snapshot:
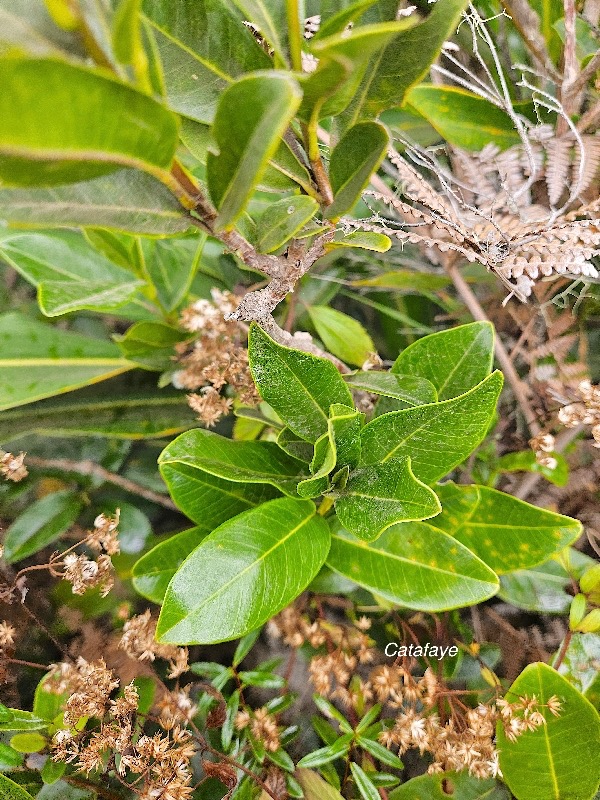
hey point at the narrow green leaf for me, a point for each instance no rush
(239, 462)
(314, 787)
(344, 426)
(150, 344)
(22, 721)
(324, 755)
(556, 751)
(39, 361)
(342, 335)
(245, 644)
(40, 524)
(381, 495)
(354, 159)
(127, 200)
(299, 386)
(454, 360)
(365, 240)
(252, 115)
(282, 220)
(154, 570)
(412, 390)
(437, 437)
(238, 577)
(506, 533)
(53, 124)
(380, 752)
(416, 565)
(9, 790)
(368, 791)
(461, 785)
(406, 280)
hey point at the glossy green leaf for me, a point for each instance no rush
(365, 786)
(130, 407)
(271, 21)
(463, 118)
(9, 790)
(282, 220)
(39, 361)
(154, 570)
(444, 785)
(252, 115)
(150, 344)
(412, 390)
(203, 46)
(322, 465)
(53, 124)
(380, 752)
(52, 771)
(299, 386)
(239, 575)
(68, 272)
(314, 787)
(341, 334)
(506, 533)
(438, 436)
(381, 495)
(41, 524)
(171, 266)
(416, 565)
(556, 751)
(453, 360)
(295, 445)
(127, 200)
(22, 721)
(344, 427)
(365, 240)
(354, 159)
(240, 462)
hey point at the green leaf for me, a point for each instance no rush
(52, 771)
(444, 785)
(171, 266)
(381, 495)
(252, 115)
(344, 426)
(282, 220)
(68, 272)
(22, 721)
(60, 122)
(315, 788)
(39, 361)
(299, 386)
(463, 118)
(454, 360)
(406, 280)
(271, 21)
(209, 500)
(41, 524)
(239, 577)
(126, 39)
(525, 461)
(322, 464)
(150, 344)
(405, 60)
(26, 26)
(12, 791)
(506, 533)
(47, 705)
(580, 665)
(541, 589)
(324, 755)
(154, 570)
(366, 240)
(365, 786)
(239, 462)
(438, 436)
(9, 758)
(354, 159)
(127, 200)
(295, 446)
(380, 752)
(416, 565)
(28, 742)
(203, 46)
(244, 646)
(126, 408)
(342, 335)
(556, 751)
(412, 390)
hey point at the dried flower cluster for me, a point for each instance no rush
(139, 642)
(262, 726)
(215, 359)
(12, 467)
(585, 411)
(542, 445)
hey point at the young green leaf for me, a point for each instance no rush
(410, 389)
(28, 742)
(252, 115)
(342, 335)
(39, 361)
(506, 533)
(282, 220)
(239, 576)
(366, 788)
(354, 159)
(553, 752)
(41, 524)
(239, 462)
(53, 124)
(152, 573)
(381, 495)
(323, 463)
(416, 565)
(437, 437)
(380, 752)
(454, 360)
(299, 386)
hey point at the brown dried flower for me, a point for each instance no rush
(12, 467)
(139, 642)
(586, 411)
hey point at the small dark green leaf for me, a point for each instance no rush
(41, 524)
(245, 644)
(322, 465)
(154, 570)
(326, 754)
(342, 335)
(368, 791)
(345, 424)
(238, 577)
(354, 159)
(412, 390)
(282, 220)
(299, 386)
(380, 752)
